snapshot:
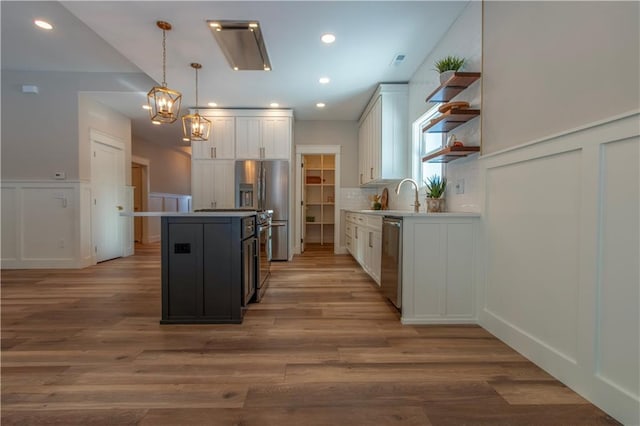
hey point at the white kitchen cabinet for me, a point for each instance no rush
(439, 269)
(383, 136)
(263, 137)
(212, 185)
(363, 238)
(221, 143)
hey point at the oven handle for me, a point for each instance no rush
(277, 225)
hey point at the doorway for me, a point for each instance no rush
(318, 199)
(107, 187)
(318, 219)
(140, 182)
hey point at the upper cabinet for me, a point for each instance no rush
(221, 143)
(263, 137)
(382, 136)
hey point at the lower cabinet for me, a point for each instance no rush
(439, 269)
(363, 239)
(201, 270)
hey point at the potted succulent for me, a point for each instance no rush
(435, 188)
(447, 66)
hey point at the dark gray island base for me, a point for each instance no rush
(205, 259)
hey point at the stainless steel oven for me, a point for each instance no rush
(264, 253)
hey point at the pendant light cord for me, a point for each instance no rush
(196, 89)
(164, 59)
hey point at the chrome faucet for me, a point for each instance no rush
(416, 205)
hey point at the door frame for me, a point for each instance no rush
(337, 226)
(145, 166)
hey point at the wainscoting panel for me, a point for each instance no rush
(617, 284)
(40, 224)
(561, 233)
(533, 208)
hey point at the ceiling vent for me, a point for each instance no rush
(398, 59)
(242, 44)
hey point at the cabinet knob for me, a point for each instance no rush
(371, 173)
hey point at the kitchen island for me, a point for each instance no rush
(209, 262)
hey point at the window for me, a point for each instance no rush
(425, 143)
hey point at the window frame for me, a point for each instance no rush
(418, 169)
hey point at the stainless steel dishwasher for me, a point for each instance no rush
(391, 272)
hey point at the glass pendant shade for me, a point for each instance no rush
(194, 126)
(164, 103)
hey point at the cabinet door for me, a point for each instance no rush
(223, 184)
(276, 137)
(212, 184)
(248, 137)
(376, 255)
(218, 287)
(375, 140)
(363, 151)
(201, 150)
(223, 138)
(202, 178)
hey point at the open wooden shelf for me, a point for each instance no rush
(450, 120)
(449, 154)
(450, 88)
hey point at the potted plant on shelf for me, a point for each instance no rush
(435, 188)
(447, 66)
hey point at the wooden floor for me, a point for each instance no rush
(84, 347)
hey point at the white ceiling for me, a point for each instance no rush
(369, 35)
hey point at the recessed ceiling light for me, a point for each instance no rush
(324, 80)
(43, 24)
(321, 105)
(156, 122)
(274, 105)
(235, 68)
(146, 106)
(328, 38)
(212, 104)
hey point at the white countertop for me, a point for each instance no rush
(407, 213)
(192, 214)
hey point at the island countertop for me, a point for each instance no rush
(222, 213)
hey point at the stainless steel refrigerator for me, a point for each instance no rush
(264, 185)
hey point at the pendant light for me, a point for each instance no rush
(164, 103)
(194, 126)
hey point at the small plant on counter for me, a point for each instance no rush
(435, 186)
(449, 63)
(375, 202)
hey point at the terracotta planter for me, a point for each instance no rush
(435, 205)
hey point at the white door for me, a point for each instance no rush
(107, 181)
(136, 181)
(303, 203)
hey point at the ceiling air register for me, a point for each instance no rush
(242, 44)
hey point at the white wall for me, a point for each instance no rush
(561, 209)
(47, 222)
(343, 133)
(551, 66)
(169, 169)
(464, 39)
(40, 131)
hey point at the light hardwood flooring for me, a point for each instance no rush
(84, 347)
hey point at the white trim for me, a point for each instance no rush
(107, 139)
(241, 112)
(588, 126)
(317, 149)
